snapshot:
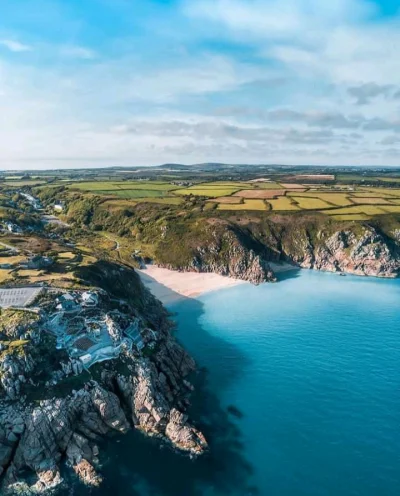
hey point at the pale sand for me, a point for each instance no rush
(169, 285)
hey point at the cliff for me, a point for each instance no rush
(53, 412)
(370, 249)
(222, 249)
(242, 245)
(245, 252)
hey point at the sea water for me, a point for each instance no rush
(298, 393)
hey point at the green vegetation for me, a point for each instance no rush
(130, 185)
(132, 193)
(207, 191)
(369, 210)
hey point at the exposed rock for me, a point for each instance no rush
(42, 437)
(369, 254)
(229, 254)
(183, 435)
(86, 472)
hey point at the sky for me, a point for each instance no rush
(95, 83)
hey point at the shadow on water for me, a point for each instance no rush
(289, 274)
(136, 465)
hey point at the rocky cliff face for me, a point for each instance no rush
(245, 254)
(367, 253)
(151, 397)
(228, 252)
(144, 391)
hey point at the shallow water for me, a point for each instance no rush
(298, 393)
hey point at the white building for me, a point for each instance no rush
(90, 299)
(59, 206)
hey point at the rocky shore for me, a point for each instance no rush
(68, 429)
(364, 251)
(369, 254)
(43, 427)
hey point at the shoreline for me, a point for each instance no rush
(170, 285)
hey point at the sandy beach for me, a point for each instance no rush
(169, 285)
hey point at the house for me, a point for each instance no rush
(59, 206)
(85, 359)
(67, 303)
(13, 228)
(39, 262)
(90, 299)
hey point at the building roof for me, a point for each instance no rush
(66, 297)
(84, 344)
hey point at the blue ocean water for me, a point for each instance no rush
(298, 392)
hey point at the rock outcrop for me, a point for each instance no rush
(148, 398)
(369, 253)
(229, 253)
(141, 388)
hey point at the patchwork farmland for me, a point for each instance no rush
(339, 201)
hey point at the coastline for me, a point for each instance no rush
(169, 285)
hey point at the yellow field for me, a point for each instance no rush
(12, 260)
(384, 192)
(247, 205)
(391, 209)
(67, 255)
(357, 209)
(283, 203)
(28, 273)
(370, 201)
(371, 195)
(308, 203)
(5, 275)
(337, 199)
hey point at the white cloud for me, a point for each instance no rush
(15, 46)
(291, 96)
(79, 52)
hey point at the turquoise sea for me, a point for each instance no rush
(298, 393)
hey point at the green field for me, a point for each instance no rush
(167, 200)
(11, 184)
(350, 217)
(222, 184)
(209, 192)
(133, 193)
(122, 185)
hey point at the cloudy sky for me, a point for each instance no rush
(140, 82)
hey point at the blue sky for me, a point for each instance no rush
(134, 82)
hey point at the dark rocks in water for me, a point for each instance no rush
(233, 410)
